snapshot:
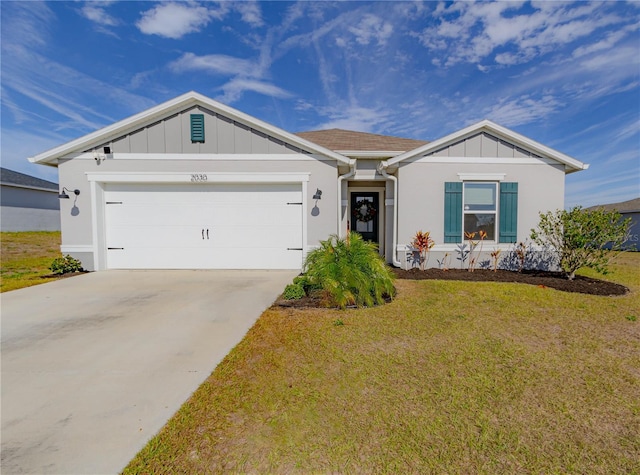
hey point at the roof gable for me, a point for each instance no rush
(175, 106)
(469, 141)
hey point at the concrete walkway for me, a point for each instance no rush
(94, 365)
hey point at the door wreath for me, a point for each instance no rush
(364, 211)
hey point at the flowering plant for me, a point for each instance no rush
(423, 243)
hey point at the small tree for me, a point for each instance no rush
(582, 238)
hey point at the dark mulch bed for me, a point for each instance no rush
(64, 276)
(543, 279)
(555, 280)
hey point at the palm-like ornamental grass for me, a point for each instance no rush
(350, 272)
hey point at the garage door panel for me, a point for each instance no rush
(257, 215)
(131, 215)
(159, 236)
(247, 236)
(250, 226)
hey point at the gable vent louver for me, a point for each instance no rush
(197, 128)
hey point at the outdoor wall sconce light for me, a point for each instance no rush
(318, 195)
(66, 190)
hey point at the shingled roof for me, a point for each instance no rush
(9, 177)
(622, 207)
(340, 139)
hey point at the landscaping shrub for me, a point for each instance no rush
(350, 272)
(65, 265)
(293, 291)
(306, 283)
(582, 237)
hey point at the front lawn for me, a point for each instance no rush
(451, 377)
(26, 257)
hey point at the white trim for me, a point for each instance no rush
(282, 157)
(175, 105)
(389, 202)
(341, 202)
(487, 160)
(571, 164)
(367, 175)
(369, 153)
(186, 177)
(481, 176)
(76, 248)
(452, 247)
(304, 207)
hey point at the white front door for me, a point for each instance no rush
(221, 226)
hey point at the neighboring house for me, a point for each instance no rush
(628, 209)
(28, 203)
(193, 183)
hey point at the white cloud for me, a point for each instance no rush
(62, 90)
(606, 43)
(174, 20)
(250, 13)
(473, 32)
(214, 64)
(233, 90)
(96, 12)
(372, 28)
(353, 117)
(25, 24)
(522, 110)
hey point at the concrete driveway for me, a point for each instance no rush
(93, 366)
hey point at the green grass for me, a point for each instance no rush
(451, 377)
(26, 257)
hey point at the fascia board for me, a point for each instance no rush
(192, 98)
(508, 135)
(370, 153)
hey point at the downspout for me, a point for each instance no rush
(352, 164)
(394, 241)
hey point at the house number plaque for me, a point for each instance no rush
(198, 177)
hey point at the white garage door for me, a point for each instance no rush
(222, 226)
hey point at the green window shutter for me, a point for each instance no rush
(453, 211)
(197, 128)
(508, 212)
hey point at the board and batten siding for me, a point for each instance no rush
(172, 134)
(483, 145)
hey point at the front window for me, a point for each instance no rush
(480, 204)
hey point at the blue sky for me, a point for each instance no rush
(566, 74)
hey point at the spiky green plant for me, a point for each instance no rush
(350, 272)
